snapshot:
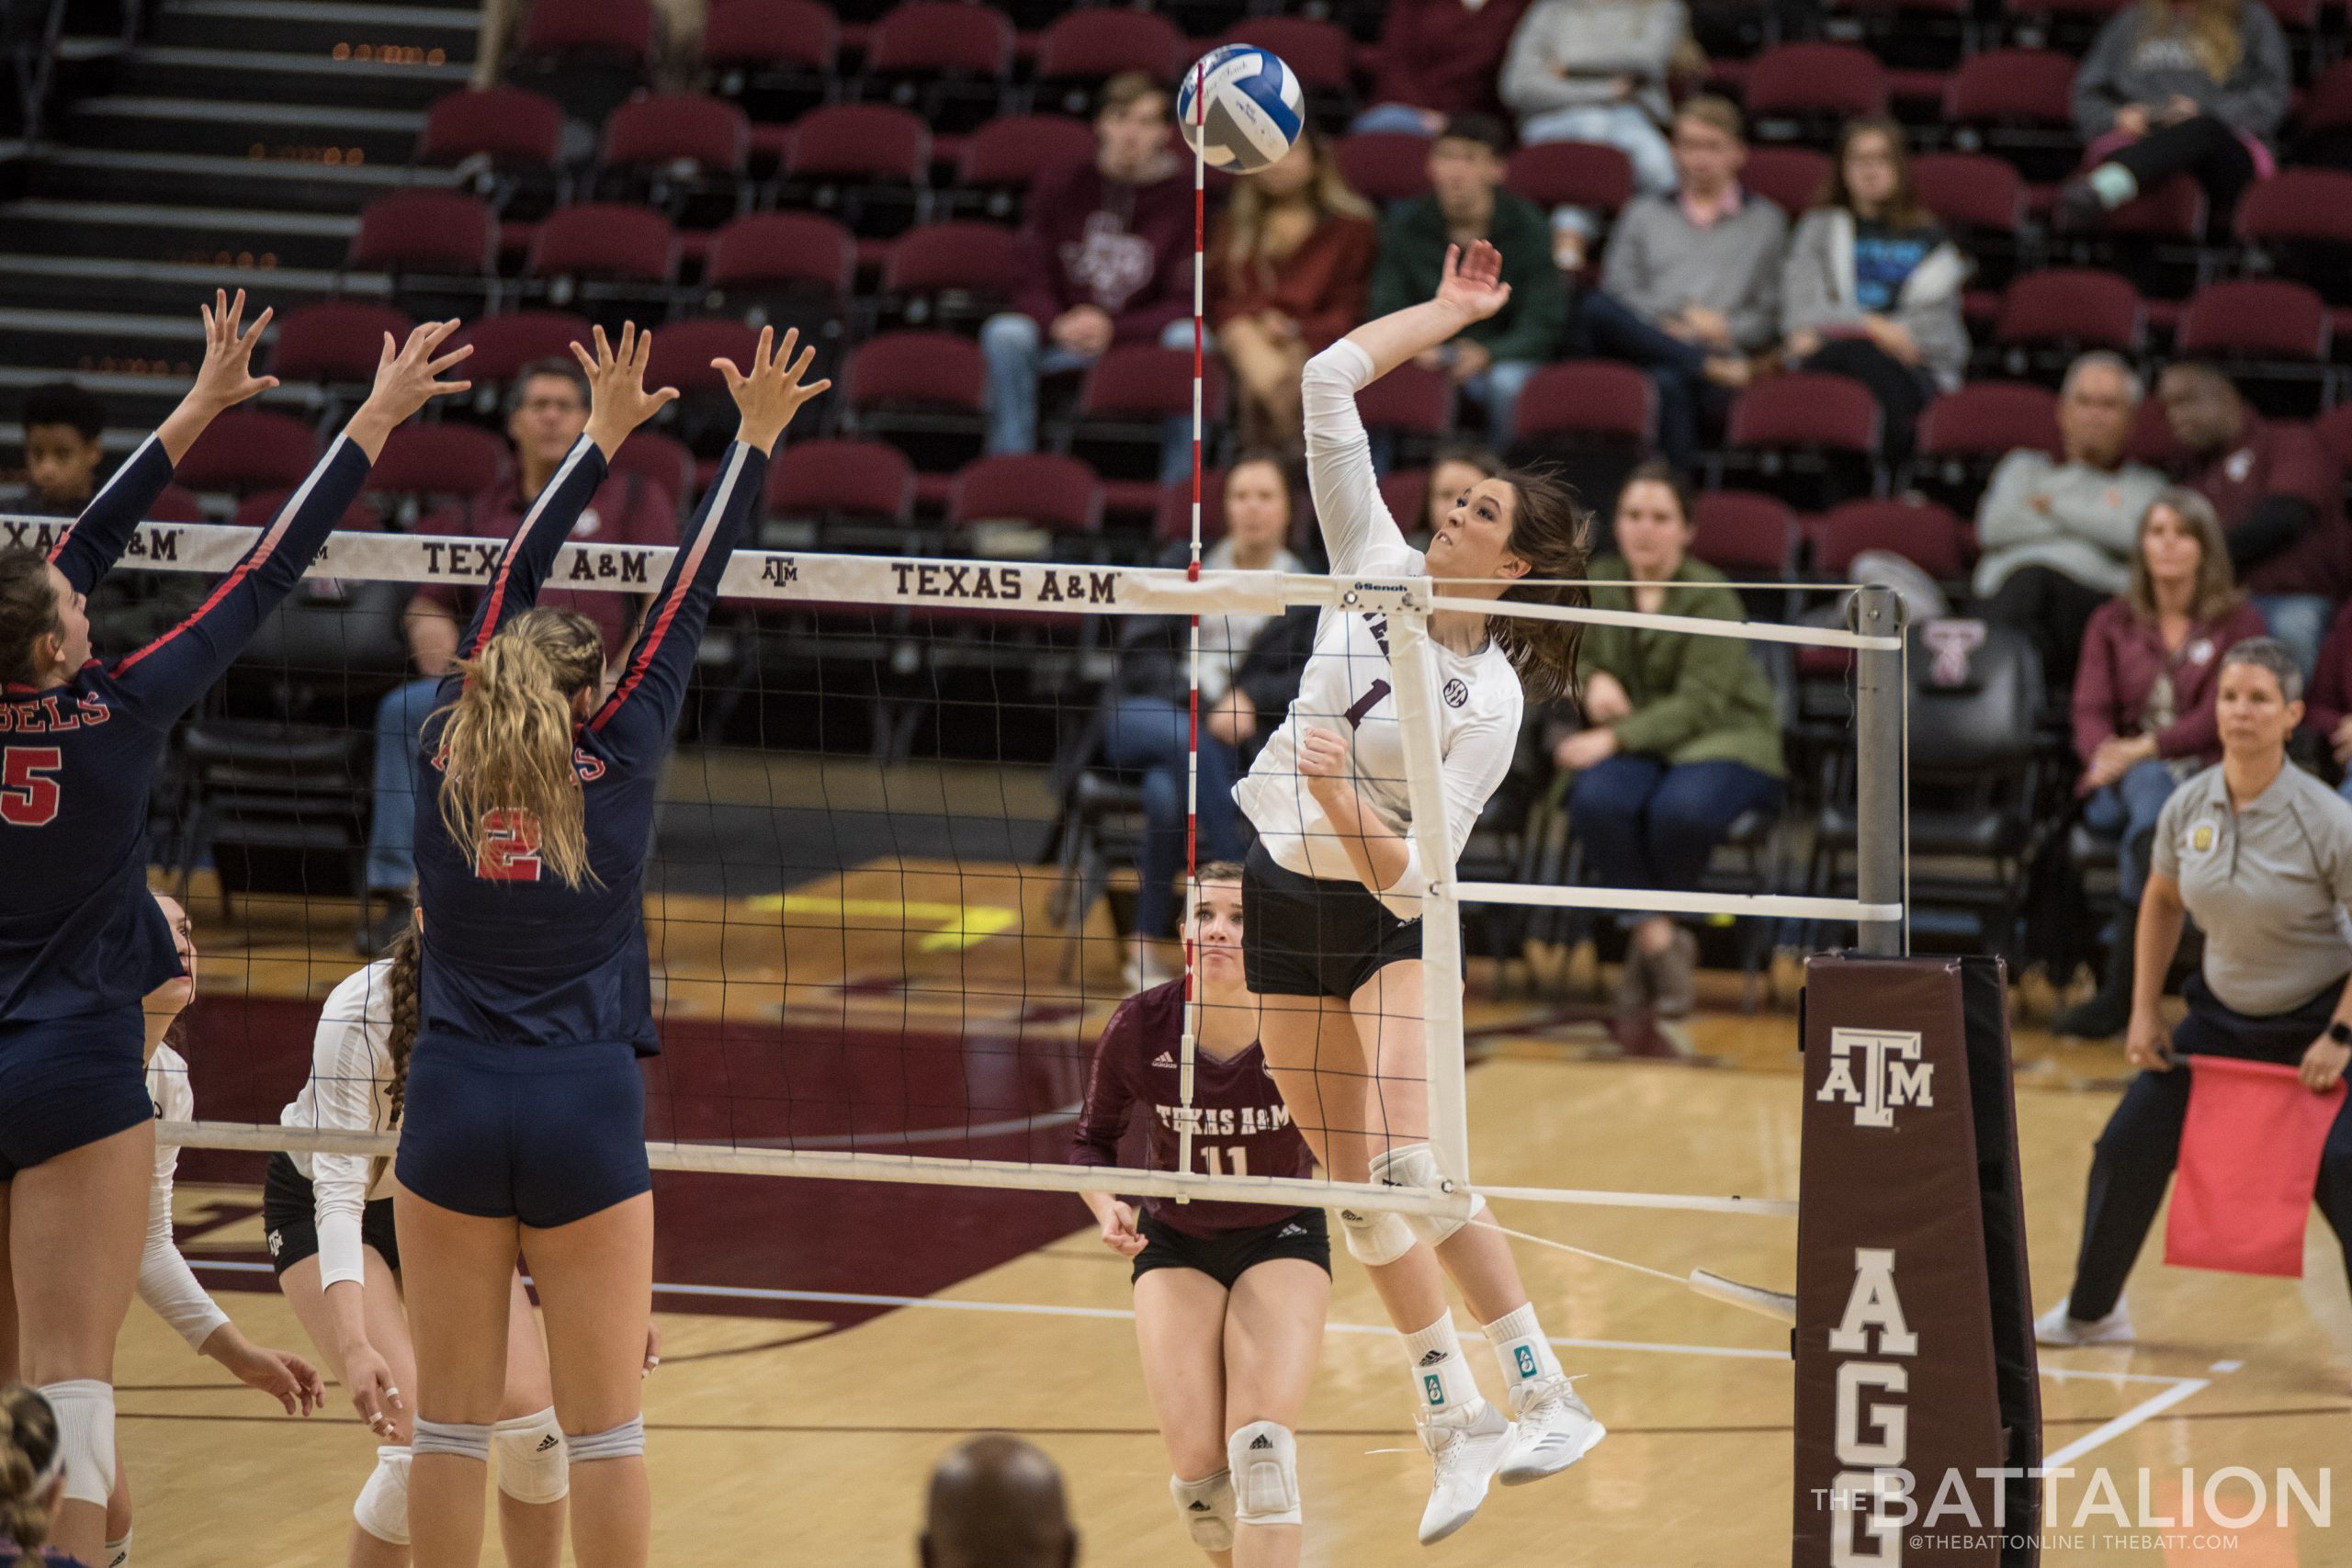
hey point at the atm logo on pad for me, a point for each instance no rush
(1876, 1071)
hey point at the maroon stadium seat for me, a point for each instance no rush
(1318, 52)
(862, 142)
(1815, 80)
(1790, 178)
(2254, 318)
(678, 128)
(1572, 174)
(503, 344)
(338, 340)
(1406, 494)
(682, 351)
(1385, 165)
(658, 460)
(2327, 104)
(1971, 190)
(1172, 522)
(1046, 491)
(621, 28)
(1098, 41)
(769, 248)
(1743, 533)
(2012, 87)
(439, 458)
(916, 383)
(604, 239)
(250, 449)
(772, 33)
(425, 230)
(1145, 381)
(260, 509)
(2174, 210)
(2073, 306)
(2309, 206)
(955, 268)
(856, 479)
(926, 38)
(1926, 535)
(1410, 400)
(510, 124)
(2334, 429)
(1587, 397)
(1827, 412)
(1987, 419)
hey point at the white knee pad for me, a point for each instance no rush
(624, 1441)
(382, 1508)
(531, 1463)
(1263, 1459)
(1207, 1508)
(461, 1439)
(1413, 1165)
(1374, 1239)
(85, 1408)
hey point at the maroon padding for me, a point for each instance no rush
(604, 239)
(338, 340)
(248, 450)
(667, 128)
(1056, 493)
(1809, 78)
(510, 124)
(444, 230)
(1985, 417)
(1806, 411)
(928, 369)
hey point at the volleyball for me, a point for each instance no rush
(1250, 111)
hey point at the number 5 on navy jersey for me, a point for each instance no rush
(27, 794)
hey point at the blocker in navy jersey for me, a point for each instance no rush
(81, 939)
(1240, 1126)
(522, 974)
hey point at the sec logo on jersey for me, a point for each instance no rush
(1456, 692)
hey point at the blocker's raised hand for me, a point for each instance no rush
(407, 377)
(226, 378)
(619, 402)
(1473, 282)
(772, 390)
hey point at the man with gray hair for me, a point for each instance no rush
(996, 1502)
(2058, 532)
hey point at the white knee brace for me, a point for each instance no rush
(1374, 1239)
(1263, 1459)
(1413, 1165)
(382, 1508)
(85, 1408)
(531, 1463)
(624, 1441)
(1207, 1508)
(462, 1439)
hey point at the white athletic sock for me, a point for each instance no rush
(1526, 1356)
(2115, 184)
(118, 1554)
(1444, 1379)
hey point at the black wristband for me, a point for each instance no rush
(2340, 1032)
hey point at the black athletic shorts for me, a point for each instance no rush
(1305, 936)
(290, 1220)
(1227, 1257)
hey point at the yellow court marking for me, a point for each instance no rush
(958, 926)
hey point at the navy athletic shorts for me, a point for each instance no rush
(546, 1135)
(1225, 1258)
(65, 1082)
(1305, 936)
(290, 1218)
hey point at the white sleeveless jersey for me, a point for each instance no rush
(1349, 687)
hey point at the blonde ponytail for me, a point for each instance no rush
(27, 1452)
(506, 745)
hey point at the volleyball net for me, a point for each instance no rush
(894, 884)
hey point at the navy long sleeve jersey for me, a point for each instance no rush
(512, 956)
(78, 933)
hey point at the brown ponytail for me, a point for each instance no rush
(508, 742)
(402, 954)
(28, 1449)
(27, 611)
(1552, 530)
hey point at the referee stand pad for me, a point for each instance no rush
(1919, 1418)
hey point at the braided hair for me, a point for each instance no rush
(27, 1467)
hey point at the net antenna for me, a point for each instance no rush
(1187, 1043)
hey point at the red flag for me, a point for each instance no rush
(2250, 1161)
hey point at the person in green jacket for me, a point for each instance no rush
(1681, 735)
(1493, 358)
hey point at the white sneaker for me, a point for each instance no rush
(1555, 1430)
(2054, 1327)
(1467, 1443)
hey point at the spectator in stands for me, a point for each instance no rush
(1106, 255)
(1492, 360)
(65, 450)
(2057, 533)
(2168, 86)
(1291, 270)
(1596, 71)
(1457, 466)
(2260, 854)
(2279, 492)
(996, 1502)
(1250, 668)
(1681, 734)
(1871, 289)
(547, 410)
(2330, 710)
(1438, 59)
(2144, 708)
(1689, 284)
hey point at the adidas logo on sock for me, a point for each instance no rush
(1164, 1060)
(1433, 1358)
(1200, 1508)
(1261, 1441)
(546, 1443)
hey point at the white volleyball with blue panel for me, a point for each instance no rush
(1249, 109)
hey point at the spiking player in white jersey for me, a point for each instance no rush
(1332, 934)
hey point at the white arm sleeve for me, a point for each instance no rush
(1473, 769)
(346, 1062)
(165, 1282)
(1355, 521)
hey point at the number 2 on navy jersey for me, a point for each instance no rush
(1233, 1161)
(1365, 704)
(510, 846)
(28, 799)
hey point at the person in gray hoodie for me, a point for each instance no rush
(2198, 85)
(1596, 71)
(1871, 286)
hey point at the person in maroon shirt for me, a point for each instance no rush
(2280, 494)
(1438, 59)
(547, 410)
(1105, 257)
(1227, 1402)
(2144, 708)
(2327, 704)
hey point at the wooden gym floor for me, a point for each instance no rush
(823, 1342)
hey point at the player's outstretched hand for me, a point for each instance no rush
(617, 400)
(772, 390)
(1472, 283)
(407, 377)
(226, 378)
